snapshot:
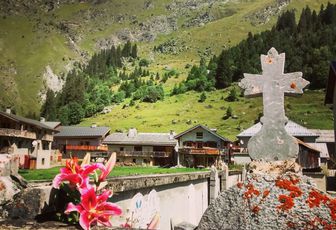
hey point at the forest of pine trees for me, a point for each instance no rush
(309, 46)
(87, 89)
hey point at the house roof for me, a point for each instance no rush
(329, 98)
(205, 128)
(291, 127)
(325, 136)
(309, 146)
(26, 121)
(51, 124)
(77, 131)
(322, 147)
(156, 139)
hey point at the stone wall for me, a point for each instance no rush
(175, 198)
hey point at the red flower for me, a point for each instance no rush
(239, 185)
(266, 193)
(290, 224)
(250, 191)
(76, 175)
(315, 198)
(286, 202)
(109, 166)
(295, 192)
(94, 208)
(289, 186)
(332, 207)
(255, 209)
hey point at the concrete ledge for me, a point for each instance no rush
(120, 184)
(235, 172)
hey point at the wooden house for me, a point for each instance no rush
(201, 146)
(142, 148)
(75, 141)
(28, 139)
(309, 152)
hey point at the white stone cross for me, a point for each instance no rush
(272, 142)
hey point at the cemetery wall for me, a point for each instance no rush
(174, 198)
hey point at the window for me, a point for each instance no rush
(138, 148)
(159, 149)
(212, 144)
(121, 149)
(188, 144)
(45, 145)
(134, 160)
(199, 145)
(199, 135)
(42, 161)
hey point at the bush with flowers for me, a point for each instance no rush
(84, 190)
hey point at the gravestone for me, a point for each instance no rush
(275, 194)
(272, 142)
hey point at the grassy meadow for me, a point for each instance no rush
(49, 174)
(32, 40)
(183, 111)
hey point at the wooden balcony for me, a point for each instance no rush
(17, 133)
(200, 151)
(100, 148)
(143, 153)
(48, 137)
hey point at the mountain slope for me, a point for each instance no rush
(183, 111)
(40, 41)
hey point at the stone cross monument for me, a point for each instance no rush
(272, 142)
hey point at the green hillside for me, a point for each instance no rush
(181, 112)
(34, 36)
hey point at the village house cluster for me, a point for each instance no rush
(43, 144)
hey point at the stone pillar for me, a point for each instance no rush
(214, 184)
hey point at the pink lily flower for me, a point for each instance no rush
(93, 209)
(75, 174)
(108, 167)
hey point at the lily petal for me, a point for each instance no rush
(89, 199)
(58, 180)
(104, 196)
(90, 168)
(104, 220)
(86, 159)
(110, 209)
(109, 166)
(71, 208)
(85, 220)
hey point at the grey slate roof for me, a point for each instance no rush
(291, 127)
(26, 121)
(51, 124)
(325, 136)
(322, 147)
(153, 139)
(76, 131)
(205, 128)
